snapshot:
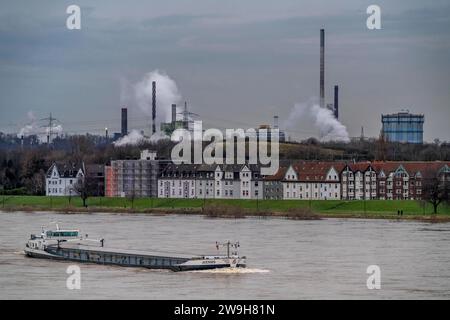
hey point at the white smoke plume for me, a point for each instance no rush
(330, 129)
(133, 138)
(33, 128)
(30, 127)
(166, 94)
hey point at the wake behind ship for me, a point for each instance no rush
(69, 245)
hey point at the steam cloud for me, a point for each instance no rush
(330, 128)
(30, 128)
(166, 94)
(133, 138)
(33, 128)
(141, 94)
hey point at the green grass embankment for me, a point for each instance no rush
(324, 208)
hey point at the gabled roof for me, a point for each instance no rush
(65, 170)
(278, 176)
(313, 170)
(412, 167)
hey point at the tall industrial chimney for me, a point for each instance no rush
(174, 113)
(322, 68)
(154, 107)
(124, 122)
(275, 122)
(336, 102)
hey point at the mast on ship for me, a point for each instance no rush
(229, 245)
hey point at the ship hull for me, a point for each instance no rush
(126, 259)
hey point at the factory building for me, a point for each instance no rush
(185, 123)
(169, 127)
(403, 127)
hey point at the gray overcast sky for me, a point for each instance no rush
(237, 62)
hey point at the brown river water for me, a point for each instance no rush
(287, 259)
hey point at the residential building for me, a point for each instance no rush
(62, 178)
(308, 180)
(272, 185)
(95, 175)
(210, 181)
(133, 178)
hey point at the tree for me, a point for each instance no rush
(436, 189)
(132, 197)
(84, 187)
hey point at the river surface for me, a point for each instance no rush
(287, 259)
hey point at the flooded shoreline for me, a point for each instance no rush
(237, 215)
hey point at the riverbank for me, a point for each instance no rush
(295, 209)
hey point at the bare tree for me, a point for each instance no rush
(132, 196)
(84, 187)
(436, 189)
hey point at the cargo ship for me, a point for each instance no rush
(70, 245)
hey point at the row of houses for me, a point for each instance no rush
(298, 180)
(301, 180)
(357, 181)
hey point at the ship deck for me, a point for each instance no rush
(142, 253)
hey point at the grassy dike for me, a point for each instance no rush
(232, 208)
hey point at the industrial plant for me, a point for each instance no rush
(333, 107)
(403, 127)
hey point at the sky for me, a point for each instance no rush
(237, 62)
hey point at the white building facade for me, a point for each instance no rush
(61, 180)
(311, 181)
(210, 182)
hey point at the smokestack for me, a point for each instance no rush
(336, 102)
(174, 113)
(275, 122)
(124, 122)
(154, 107)
(322, 68)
